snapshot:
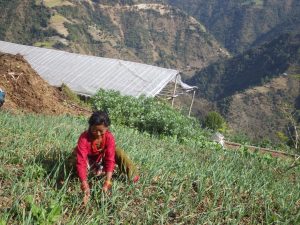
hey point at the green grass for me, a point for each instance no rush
(45, 44)
(189, 183)
(72, 96)
(297, 76)
(57, 22)
(53, 3)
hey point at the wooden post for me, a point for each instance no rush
(173, 97)
(296, 137)
(192, 103)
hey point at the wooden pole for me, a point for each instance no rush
(192, 103)
(173, 97)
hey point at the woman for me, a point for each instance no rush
(96, 152)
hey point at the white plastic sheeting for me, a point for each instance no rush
(85, 74)
(219, 138)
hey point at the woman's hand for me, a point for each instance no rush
(86, 190)
(107, 185)
(86, 199)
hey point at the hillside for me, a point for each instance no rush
(26, 91)
(240, 25)
(187, 183)
(252, 68)
(250, 89)
(259, 112)
(151, 33)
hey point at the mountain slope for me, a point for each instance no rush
(240, 24)
(251, 89)
(24, 21)
(258, 112)
(150, 33)
(252, 68)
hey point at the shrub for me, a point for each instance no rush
(214, 121)
(146, 114)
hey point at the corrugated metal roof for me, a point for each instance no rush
(87, 74)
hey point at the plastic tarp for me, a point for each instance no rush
(183, 85)
(85, 74)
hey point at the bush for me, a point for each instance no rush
(146, 114)
(214, 121)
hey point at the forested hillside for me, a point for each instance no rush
(252, 68)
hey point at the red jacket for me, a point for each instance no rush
(85, 153)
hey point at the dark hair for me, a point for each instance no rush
(99, 118)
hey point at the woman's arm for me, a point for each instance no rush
(81, 158)
(81, 166)
(109, 161)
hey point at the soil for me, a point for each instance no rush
(27, 92)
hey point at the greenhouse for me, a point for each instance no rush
(85, 74)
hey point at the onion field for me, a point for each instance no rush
(193, 181)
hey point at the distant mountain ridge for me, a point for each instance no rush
(242, 24)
